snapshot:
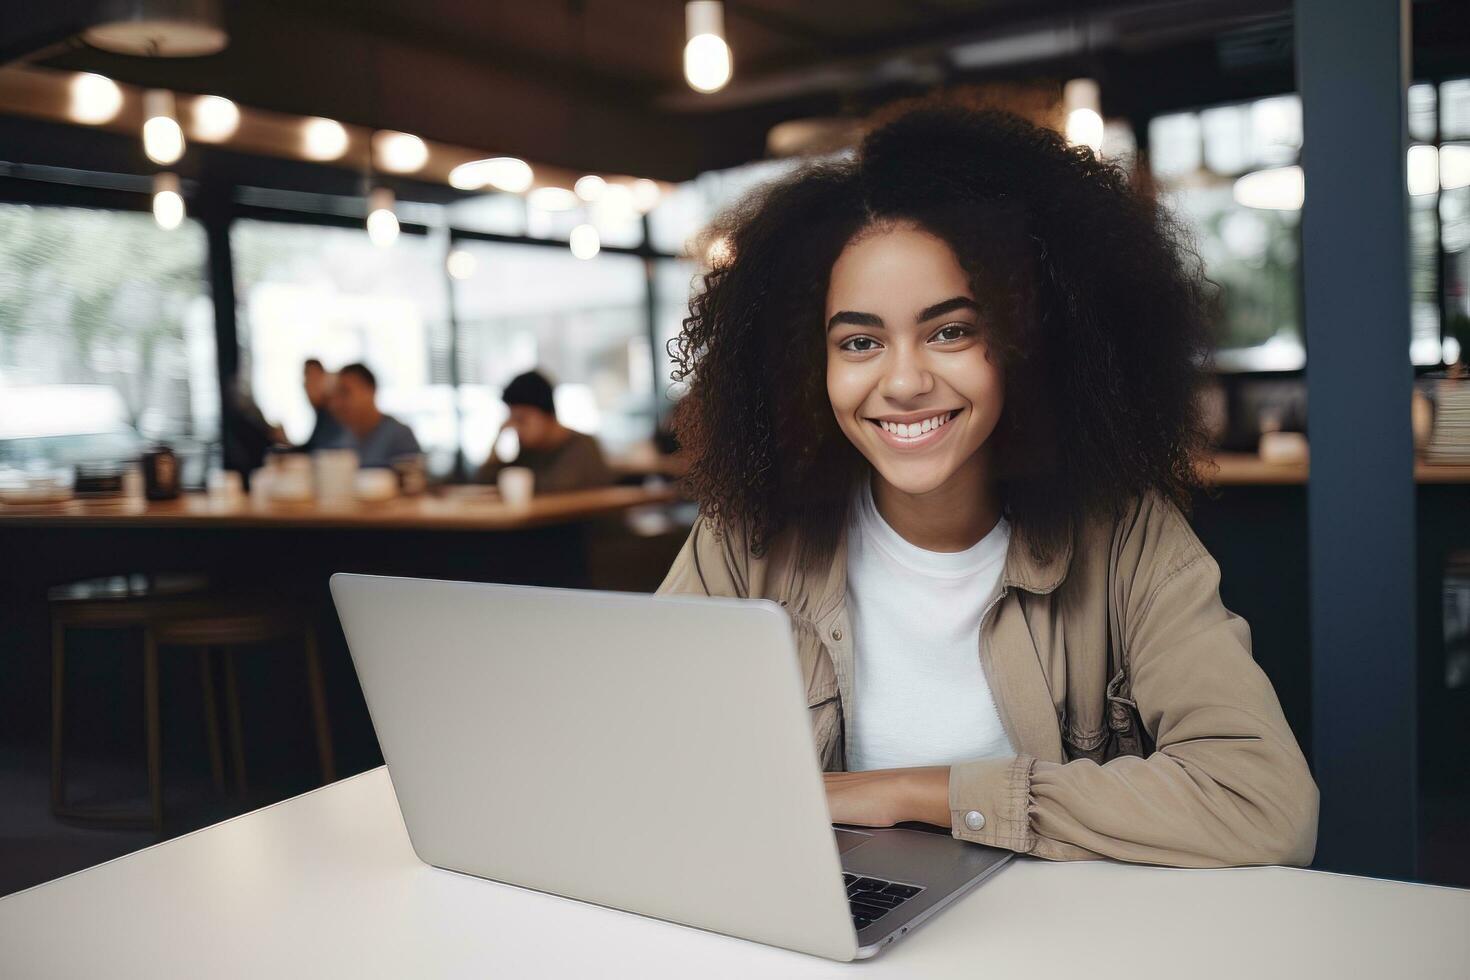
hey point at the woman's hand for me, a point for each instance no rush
(884, 797)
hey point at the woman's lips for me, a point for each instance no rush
(906, 443)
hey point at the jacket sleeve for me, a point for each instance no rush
(708, 564)
(1227, 784)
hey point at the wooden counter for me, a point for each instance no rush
(455, 512)
(1248, 469)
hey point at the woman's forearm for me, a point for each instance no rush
(883, 797)
(928, 794)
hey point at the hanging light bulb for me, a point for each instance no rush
(382, 223)
(163, 139)
(1083, 102)
(461, 264)
(95, 99)
(215, 118)
(168, 202)
(503, 173)
(585, 242)
(706, 55)
(323, 139)
(399, 153)
(590, 187)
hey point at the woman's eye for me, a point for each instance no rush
(859, 345)
(951, 332)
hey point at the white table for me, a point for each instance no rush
(326, 885)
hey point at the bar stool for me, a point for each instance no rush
(117, 602)
(171, 613)
(246, 623)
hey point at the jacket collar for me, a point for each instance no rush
(1024, 571)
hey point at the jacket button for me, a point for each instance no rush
(975, 820)
(837, 635)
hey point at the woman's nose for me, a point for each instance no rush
(907, 376)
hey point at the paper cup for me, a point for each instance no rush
(517, 484)
(335, 471)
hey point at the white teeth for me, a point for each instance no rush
(912, 430)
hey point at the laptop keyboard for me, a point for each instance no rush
(872, 898)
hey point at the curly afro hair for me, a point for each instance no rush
(1091, 295)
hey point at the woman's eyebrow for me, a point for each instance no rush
(857, 319)
(948, 306)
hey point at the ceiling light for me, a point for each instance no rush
(95, 99)
(502, 173)
(1276, 189)
(168, 202)
(163, 139)
(159, 28)
(382, 223)
(706, 55)
(552, 199)
(585, 242)
(589, 188)
(399, 153)
(1083, 103)
(323, 139)
(461, 264)
(215, 118)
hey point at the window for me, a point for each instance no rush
(1249, 236)
(1454, 214)
(312, 291)
(1249, 243)
(106, 337)
(582, 322)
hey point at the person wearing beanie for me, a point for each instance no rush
(561, 458)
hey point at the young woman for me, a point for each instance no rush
(940, 408)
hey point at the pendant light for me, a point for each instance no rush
(1082, 100)
(163, 138)
(215, 118)
(707, 65)
(158, 28)
(168, 201)
(94, 99)
(382, 222)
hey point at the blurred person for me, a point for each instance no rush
(377, 437)
(562, 458)
(941, 408)
(327, 433)
(248, 434)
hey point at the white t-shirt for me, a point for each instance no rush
(921, 698)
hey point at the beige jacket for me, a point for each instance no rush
(1227, 783)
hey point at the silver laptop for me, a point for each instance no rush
(651, 754)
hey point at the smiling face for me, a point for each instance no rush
(908, 371)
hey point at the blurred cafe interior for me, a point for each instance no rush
(292, 288)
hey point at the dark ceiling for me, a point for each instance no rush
(597, 84)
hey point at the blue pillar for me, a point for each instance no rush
(1352, 72)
